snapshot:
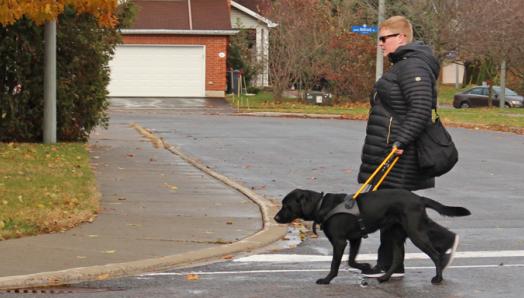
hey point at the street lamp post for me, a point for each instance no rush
(50, 83)
(380, 56)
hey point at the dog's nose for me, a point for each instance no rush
(276, 218)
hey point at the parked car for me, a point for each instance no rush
(478, 97)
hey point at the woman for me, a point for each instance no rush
(401, 107)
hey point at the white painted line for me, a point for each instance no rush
(293, 258)
(312, 270)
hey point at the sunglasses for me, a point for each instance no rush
(385, 37)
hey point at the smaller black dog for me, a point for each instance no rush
(378, 209)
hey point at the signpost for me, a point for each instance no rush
(367, 30)
(364, 29)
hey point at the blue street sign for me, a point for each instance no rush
(364, 29)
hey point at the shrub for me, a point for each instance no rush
(83, 51)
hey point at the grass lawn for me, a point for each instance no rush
(484, 118)
(446, 93)
(45, 188)
(263, 102)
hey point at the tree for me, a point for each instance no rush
(84, 48)
(305, 47)
(47, 11)
(350, 64)
(491, 31)
(297, 45)
(41, 11)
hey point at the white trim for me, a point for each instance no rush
(255, 15)
(181, 32)
(190, 15)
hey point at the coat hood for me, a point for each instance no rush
(419, 50)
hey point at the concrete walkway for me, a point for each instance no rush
(160, 210)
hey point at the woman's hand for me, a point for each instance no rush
(398, 145)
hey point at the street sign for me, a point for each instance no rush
(364, 29)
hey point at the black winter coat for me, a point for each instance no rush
(408, 90)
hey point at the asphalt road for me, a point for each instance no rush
(275, 155)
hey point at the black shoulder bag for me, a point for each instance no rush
(436, 151)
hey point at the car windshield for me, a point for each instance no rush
(508, 91)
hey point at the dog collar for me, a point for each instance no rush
(315, 214)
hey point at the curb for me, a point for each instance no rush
(298, 115)
(269, 233)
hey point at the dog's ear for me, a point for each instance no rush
(307, 204)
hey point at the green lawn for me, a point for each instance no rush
(446, 93)
(45, 188)
(494, 118)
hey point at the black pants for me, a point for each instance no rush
(439, 235)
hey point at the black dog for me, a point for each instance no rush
(378, 209)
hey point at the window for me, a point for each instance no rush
(475, 91)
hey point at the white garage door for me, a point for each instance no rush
(141, 70)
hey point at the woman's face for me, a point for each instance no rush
(389, 41)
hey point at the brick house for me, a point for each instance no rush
(175, 48)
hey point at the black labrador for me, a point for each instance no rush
(378, 209)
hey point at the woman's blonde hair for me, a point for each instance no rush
(398, 24)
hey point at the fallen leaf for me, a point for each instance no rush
(192, 277)
(103, 276)
(109, 251)
(228, 257)
(170, 186)
(229, 223)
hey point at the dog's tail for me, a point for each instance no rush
(443, 209)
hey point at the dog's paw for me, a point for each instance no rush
(436, 280)
(323, 281)
(383, 278)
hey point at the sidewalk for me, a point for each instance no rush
(158, 211)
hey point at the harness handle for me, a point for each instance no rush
(385, 164)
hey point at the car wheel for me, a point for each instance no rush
(464, 105)
(506, 105)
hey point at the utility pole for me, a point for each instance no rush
(50, 83)
(502, 95)
(380, 56)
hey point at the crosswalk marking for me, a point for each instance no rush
(265, 271)
(296, 258)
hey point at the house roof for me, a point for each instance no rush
(254, 5)
(208, 15)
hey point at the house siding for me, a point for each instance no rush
(215, 65)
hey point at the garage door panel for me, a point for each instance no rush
(158, 71)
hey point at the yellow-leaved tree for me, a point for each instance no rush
(41, 11)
